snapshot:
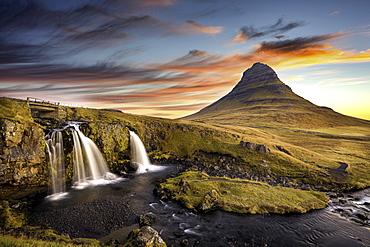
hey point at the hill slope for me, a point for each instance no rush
(262, 99)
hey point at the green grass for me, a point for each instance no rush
(197, 190)
(15, 110)
(11, 241)
(310, 154)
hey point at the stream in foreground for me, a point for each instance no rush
(111, 212)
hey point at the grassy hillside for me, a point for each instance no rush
(306, 157)
(302, 157)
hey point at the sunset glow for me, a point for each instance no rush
(170, 58)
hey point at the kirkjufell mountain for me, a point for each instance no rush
(261, 99)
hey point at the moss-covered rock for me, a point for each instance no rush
(22, 154)
(205, 193)
(9, 217)
(145, 237)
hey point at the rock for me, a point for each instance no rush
(184, 242)
(333, 195)
(342, 201)
(264, 163)
(210, 201)
(363, 216)
(22, 154)
(146, 220)
(282, 149)
(134, 165)
(249, 145)
(184, 185)
(110, 176)
(144, 237)
(263, 149)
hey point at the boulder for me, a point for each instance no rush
(263, 149)
(146, 220)
(145, 237)
(210, 201)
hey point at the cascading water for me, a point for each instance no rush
(89, 166)
(54, 144)
(88, 162)
(139, 157)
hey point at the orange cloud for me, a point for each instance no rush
(299, 52)
(240, 38)
(193, 27)
(181, 86)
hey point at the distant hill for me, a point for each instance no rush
(261, 99)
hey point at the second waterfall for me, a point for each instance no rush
(139, 159)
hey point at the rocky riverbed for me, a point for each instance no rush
(94, 219)
(354, 206)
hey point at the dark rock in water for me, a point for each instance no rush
(134, 166)
(146, 220)
(145, 237)
(263, 149)
(110, 176)
(363, 216)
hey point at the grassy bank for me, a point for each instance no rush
(15, 110)
(10, 241)
(198, 191)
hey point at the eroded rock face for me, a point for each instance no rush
(22, 153)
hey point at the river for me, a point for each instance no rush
(99, 211)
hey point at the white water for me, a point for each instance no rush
(54, 144)
(90, 167)
(139, 156)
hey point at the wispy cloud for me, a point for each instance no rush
(40, 53)
(157, 2)
(193, 27)
(337, 82)
(337, 12)
(250, 32)
(82, 28)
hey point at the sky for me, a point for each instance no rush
(171, 58)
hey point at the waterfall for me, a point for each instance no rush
(54, 147)
(139, 157)
(89, 164)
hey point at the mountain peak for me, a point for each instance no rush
(257, 73)
(260, 98)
